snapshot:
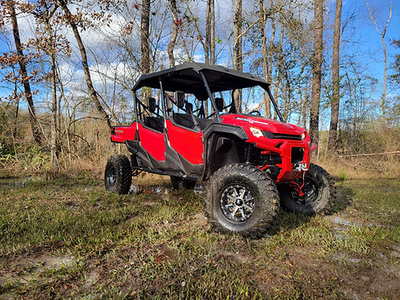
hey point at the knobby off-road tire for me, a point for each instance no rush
(178, 183)
(319, 193)
(118, 174)
(241, 198)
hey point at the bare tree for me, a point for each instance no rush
(317, 70)
(210, 33)
(335, 79)
(209, 45)
(174, 35)
(36, 132)
(46, 16)
(264, 51)
(71, 20)
(145, 36)
(382, 34)
(237, 49)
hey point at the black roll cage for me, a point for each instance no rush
(175, 79)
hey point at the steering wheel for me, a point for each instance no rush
(255, 112)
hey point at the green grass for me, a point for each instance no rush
(68, 238)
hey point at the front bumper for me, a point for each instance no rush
(292, 169)
(294, 158)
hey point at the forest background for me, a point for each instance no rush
(67, 69)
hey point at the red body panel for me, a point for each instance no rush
(189, 144)
(119, 134)
(186, 142)
(153, 142)
(280, 146)
(264, 124)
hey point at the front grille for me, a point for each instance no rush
(281, 136)
(268, 159)
(271, 159)
(297, 155)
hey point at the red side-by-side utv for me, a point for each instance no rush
(187, 126)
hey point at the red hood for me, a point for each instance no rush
(262, 123)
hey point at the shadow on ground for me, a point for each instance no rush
(288, 220)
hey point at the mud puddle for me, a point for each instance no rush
(15, 183)
(37, 269)
(162, 189)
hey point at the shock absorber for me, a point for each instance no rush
(247, 153)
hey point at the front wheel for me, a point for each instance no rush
(319, 193)
(241, 198)
(118, 174)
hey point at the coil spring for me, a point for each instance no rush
(248, 151)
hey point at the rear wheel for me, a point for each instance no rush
(241, 198)
(319, 193)
(118, 174)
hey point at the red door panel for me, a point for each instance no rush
(153, 142)
(186, 142)
(120, 134)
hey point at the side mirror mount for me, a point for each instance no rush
(180, 99)
(151, 104)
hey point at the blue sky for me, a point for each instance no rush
(366, 41)
(360, 37)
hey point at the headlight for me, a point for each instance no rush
(256, 132)
(303, 136)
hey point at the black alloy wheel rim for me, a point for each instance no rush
(237, 203)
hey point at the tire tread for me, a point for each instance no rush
(268, 192)
(124, 173)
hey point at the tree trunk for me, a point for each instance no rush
(209, 49)
(383, 34)
(15, 127)
(300, 90)
(237, 50)
(272, 48)
(263, 19)
(383, 103)
(335, 79)
(304, 106)
(210, 33)
(306, 99)
(37, 134)
(174, 35)
(288, 95)
(53, 84)
(280, 62)
(317, 70)
(145, 36)
(93, 94)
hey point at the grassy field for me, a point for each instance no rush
(68, 238)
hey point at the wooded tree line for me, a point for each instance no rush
(81, 62)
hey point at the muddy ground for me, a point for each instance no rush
(68, 238)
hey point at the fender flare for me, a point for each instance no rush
(208, 140)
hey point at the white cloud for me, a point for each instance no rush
(253, 106)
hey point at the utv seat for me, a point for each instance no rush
(203, 123)
(155, 123)
(184, 120)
